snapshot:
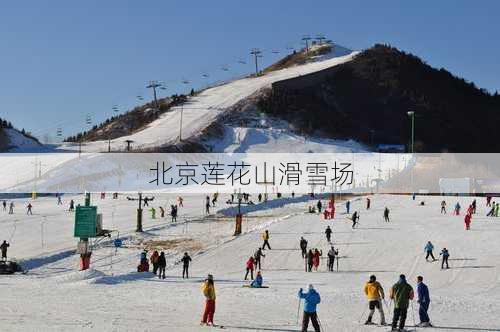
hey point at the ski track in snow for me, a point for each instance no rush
(112, 296)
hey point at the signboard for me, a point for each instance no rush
(85, 221)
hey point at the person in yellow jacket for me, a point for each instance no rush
(208, 290)
(374, 294)
(265, 237)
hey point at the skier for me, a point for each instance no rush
(146, 201)
(428, 249)
(443, 207)
(491, 213)
(386, 214)
(497, 206)
(470, 210)
(316, 257)
(414, 196)
(311, 300)
(457, 209)
(293, 194)
(207, 205)
(71, 206)
(257, 258)
(423, 300)
(4, 204)
(154, 261)
(153, 213)
(258, 281)
(249, 267)
(3, 249)
(173, 212)
(265, 237)
(331, 258)
(445, 255)
(309, 260)
(303, 246)
(347, 206)
(374, 294)
(401, 293)
(162, 212)
(214, 199)
(208, 290)
(355, 218)
(467, 221)
(259, 198)
(162, 264)
(181, 201)
(488, 201)
(319, 206)
(185, 265)
(11, 208)
(328, 233)
(59, 201)
(28, 209)
(143, 263)
(368, 203)
(474, 204)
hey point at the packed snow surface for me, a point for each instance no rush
(112, 296)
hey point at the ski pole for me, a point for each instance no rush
(319, 321)
(298, 312)
(413, 314)
(361, 317)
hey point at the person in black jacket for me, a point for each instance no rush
(303, 247)
(162, 264)
(328, 233)
(185, 265)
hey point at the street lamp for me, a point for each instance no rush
(412, 115)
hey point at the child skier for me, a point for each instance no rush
(29, 209)
(445, 254)
(457, 209)
(467, 221)
(258, 281)
(249, 267)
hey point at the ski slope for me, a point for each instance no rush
(200, 111)
(112, 297)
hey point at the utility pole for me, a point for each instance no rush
(412, 115)
(186, 82)
(153, 85)
(306, 39)
(140, 199)
(257, 54)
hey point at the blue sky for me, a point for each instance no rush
(61, 60)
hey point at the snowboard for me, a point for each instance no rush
(248, 286)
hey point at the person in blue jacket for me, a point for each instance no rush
(257, 282)
(311, 300)
(424, 300)
(429, 247)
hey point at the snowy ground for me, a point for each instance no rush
(112, 297)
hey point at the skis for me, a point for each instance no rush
(212, 325)
(248, 286)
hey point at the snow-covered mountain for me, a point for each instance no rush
(16, 141)
(213, 106)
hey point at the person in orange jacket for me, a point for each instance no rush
(208, 290)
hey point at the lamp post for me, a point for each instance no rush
(412, 115)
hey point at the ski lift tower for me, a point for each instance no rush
(306, 39)
(257, 53)
(154, 85)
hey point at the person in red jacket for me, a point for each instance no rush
(467, 221)
(316, 256)
(250, 264)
